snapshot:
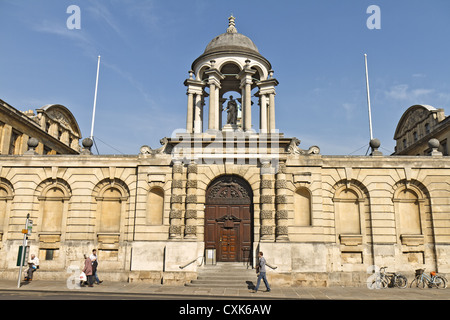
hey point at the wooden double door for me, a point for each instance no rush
(228, 219)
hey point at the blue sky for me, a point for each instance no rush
(316, 49)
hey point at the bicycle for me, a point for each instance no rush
(422, 280)
(395, 279)
(391, 279)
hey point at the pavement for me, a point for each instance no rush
(118, 290)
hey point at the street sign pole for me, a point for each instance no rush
(26, 232)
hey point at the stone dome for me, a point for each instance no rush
(230, 53)
(231, 42)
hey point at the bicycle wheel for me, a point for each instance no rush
(440, 282)
(423, 283)
(390, 280)
(401, 282)
(379, 284)
(414, 283)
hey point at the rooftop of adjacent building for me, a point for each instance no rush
(53, 126)
(417, 126)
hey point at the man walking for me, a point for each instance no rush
(262, 273)
(94, 260)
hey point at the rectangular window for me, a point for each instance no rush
(49, 254)
(14, 144)
(1, 134)
(444, 147)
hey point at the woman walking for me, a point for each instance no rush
(88, 271)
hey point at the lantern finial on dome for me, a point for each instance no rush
(231, 25)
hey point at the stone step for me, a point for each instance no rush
(234, 285)
(225, 275)
(243, 284)
(211, 275)
(236, 272)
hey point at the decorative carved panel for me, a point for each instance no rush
(229, 190)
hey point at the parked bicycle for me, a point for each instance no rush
(395, 279)
(422, 280)
(390, 279)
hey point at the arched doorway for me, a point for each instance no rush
(229, 219)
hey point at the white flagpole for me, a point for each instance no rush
(368, 97)
(95, 99)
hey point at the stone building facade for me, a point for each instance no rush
(228, 191)
(418, 125)
(53, 130)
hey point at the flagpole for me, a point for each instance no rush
(95, 99)
(368, 97)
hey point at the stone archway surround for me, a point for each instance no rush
(229, 218)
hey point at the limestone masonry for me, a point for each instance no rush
(222, 190)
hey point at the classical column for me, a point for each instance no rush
(214, 78)
(191, 202)
(198, 113)
(246, 86)
(272, 112)
(263, 114)
(281, 216)
(5, 138)
(267, 89)
(194, 91)
(218, 109)
(267, 203)
(248, 106)
(212, 107)
(176, 201)
(242, 107)
(190, 113)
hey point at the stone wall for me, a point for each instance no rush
(353, 213)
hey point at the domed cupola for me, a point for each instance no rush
(231, 41)
(231, 62)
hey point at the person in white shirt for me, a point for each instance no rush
(94, 260)
(33, 266)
